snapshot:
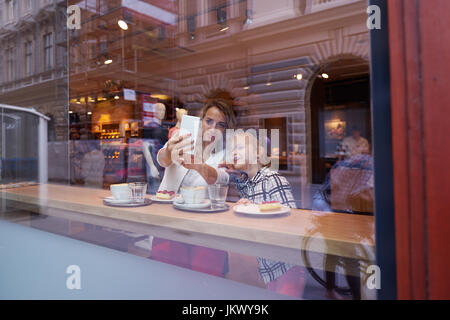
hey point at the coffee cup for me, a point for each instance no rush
(193, 195)
(121, 191)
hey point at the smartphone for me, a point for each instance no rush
(192, 125)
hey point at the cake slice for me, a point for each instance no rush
(270, 206)
(165, 195)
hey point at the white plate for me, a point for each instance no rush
(155, 199)
(114, 201)
(205, 204)
(253, 209)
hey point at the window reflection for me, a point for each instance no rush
(122, 85)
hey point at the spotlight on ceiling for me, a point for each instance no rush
(298, 76)
(108, 61)
(123, 25)
(325, 75)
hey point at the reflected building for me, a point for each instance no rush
(33, 63)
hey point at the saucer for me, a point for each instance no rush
(115, 201)
(125, 203)
(204, 204)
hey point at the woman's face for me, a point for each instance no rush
(214, 119)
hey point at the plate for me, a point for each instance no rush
(126, 204)
(155, 199)
(253, 209)
(207, 209)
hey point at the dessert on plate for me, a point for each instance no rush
(165, 195)
(269, 206)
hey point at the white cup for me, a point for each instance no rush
(121, 191)
(193, 195)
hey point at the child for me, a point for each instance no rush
(256, 184)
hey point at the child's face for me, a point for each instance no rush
(244, 152)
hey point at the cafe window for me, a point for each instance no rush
(306, 217)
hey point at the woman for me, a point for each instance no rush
(217, 116)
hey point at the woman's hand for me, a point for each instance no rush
(175, 148)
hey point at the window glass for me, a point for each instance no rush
(278, 190)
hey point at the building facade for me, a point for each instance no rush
(33, 59)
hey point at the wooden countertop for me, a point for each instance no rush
(335, 233)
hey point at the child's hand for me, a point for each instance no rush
(244, 201)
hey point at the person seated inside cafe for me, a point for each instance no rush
(259, 184)
(355, 144)
(217, 116)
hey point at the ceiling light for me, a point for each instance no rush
(325, 75)
(246, 88)
(224, 28)
(70, 111)
(268, 84)
(117, 97)
(122, 24)
(160, 96)
(89, 113)
(109, 61)
(298, 76)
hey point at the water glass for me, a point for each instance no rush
(217, 195)
(138, 191)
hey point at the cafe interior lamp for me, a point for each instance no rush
(325, 75)
(108, 61)
(123, 25)
(298, 76)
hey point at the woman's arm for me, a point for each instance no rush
(210, 174)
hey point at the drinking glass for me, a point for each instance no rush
(217, 195)
(138, 191)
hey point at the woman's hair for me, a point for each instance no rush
(223, 106)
